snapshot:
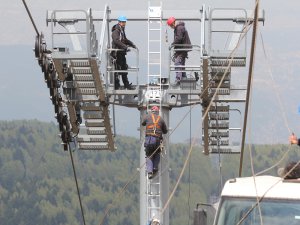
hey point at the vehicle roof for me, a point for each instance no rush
(272, 187)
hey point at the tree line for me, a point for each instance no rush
(37, 185)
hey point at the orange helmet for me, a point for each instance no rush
(170, 20)
(154, 108)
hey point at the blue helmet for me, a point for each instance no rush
(122, 18)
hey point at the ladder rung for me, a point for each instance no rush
(154, 40)
(154, 52)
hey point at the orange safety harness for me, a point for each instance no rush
(153, 126)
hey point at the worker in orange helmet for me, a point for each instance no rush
(155, 128)
(181, 41)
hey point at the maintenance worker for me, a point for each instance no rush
(294, 140)
(181, 41)
(155, 128)
(120, 42)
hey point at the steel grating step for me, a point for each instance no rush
(218, 116)
(80, 63)
(220, 70)
(84, 77)
(94, 123)
(219, 108)
(221, 91)
(225, 150)
(92, 138)
(226, 62)
(87, 91)
(93, 146)
(85, 84)
(90, 107)
(219, 133)
(215, 142)
(92, 115)
(96, 130)
(79, 70)
(224, 85)
(219, 125)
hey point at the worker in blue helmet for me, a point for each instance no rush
(120, 42)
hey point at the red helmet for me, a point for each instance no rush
(154, 108)
(170, 20)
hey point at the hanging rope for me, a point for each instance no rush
(77, 187)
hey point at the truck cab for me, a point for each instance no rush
(259, 200)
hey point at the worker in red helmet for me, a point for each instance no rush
(182, 45)
(120, 42)
(155, 128)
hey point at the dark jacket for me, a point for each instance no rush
(181, 36)
(161, 127)
(119, 40)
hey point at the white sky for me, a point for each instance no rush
(18, 30)
(280, 32)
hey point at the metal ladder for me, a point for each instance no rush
(154, 84)
(154, 95)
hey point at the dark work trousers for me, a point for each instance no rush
(152, 161)
(179, 61)
(121, 64)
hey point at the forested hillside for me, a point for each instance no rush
(37, 185)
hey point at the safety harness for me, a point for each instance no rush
(153, 126)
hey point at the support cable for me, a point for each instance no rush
(32, 21)
(77, 187)
(253, 44)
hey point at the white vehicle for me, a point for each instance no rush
(259, 200)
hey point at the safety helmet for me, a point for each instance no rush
(171, 20)
(122, 18)
(154, 108)
(155, 222)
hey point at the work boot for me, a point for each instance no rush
(117, 86)
(196, 76)
(176, 83)
(150, 175)
(154, 172)
(128, 86)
